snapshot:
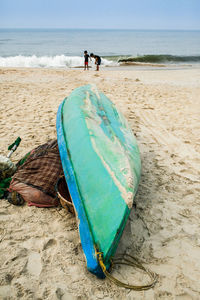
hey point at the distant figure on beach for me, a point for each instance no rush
(86, 57)
(97, 60)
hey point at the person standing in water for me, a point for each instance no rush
(86, 58)
(97, 60)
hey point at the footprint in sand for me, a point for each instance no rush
(49, 244)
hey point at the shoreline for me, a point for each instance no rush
(149, 66)
(121, 66)
(41, 254)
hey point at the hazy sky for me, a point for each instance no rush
(131, 14)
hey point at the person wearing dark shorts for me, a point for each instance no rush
(86, 57)
(97, 60)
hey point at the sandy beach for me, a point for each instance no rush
(40, 250)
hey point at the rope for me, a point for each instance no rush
(130, 261)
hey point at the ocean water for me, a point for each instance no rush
(65, 47)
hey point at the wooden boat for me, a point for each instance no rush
(101, 163)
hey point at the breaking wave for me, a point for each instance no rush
(161, 59)
(58, 61)
(63, 61)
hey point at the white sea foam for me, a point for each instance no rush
(58, 61)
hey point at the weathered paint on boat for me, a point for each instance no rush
(101, 163)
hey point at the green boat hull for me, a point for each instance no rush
(102, 166)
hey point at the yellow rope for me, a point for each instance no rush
(130, 261)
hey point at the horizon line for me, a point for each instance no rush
(68, 28)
